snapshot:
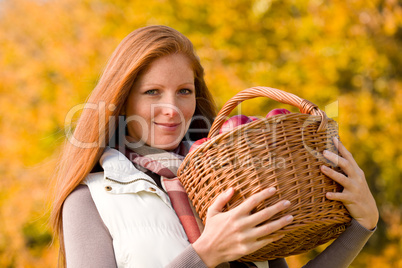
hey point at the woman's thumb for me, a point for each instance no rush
(220, 202)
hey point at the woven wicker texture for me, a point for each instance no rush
(284, 151)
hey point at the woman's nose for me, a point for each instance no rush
(169, 107)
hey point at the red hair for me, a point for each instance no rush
(130, 58)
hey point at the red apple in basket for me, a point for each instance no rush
(277, 111)
(233, 122)
(253, 118)
(197, 143)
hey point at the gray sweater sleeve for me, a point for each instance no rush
(88, 242)
(344, 249)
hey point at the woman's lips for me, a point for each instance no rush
(168, 126)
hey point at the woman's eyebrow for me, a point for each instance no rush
(160, 85)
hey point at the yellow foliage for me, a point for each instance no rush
(342, 55)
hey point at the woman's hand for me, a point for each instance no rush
(356, 195)
(230, 235)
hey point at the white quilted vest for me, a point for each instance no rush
(145, 229)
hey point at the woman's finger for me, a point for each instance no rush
(220, 202)
(266, 213)
(253, 201)
(263, 241)
(271, 227)
(342, 197)
(336, 176)
(344, 152)
(339, 161)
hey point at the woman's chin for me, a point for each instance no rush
(166, 146)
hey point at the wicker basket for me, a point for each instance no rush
(282, 151)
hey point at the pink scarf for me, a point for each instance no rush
(166, 165)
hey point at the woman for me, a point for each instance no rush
(111, 208)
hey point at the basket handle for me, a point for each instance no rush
(305, 106)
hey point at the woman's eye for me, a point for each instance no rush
(185, 91)
(151, 92)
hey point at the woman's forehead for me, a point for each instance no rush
(167, 67)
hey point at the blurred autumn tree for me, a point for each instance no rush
(342, 54)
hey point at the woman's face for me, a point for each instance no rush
(162, 102)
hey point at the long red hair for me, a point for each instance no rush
(95, 127)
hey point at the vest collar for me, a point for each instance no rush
(122, 177)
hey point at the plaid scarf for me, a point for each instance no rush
(166, 165)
